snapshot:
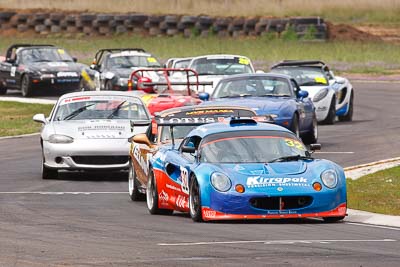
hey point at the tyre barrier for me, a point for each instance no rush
(154, 25)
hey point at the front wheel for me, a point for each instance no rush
(195, 201)
(349, 115)
(330, 118)
(295, 125)
(133, 183)
(3, 90)
(48, 173)
(109, 85)
(152, 197)
(333, 219)
(26, 86)
(312, 135)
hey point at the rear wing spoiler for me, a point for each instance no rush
(289, 63)
(140, 73)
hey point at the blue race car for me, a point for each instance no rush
(243, 169)
(274, 95)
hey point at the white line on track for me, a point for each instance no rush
(374, 226)
(282, 242)
(59, 193)
(334, 152)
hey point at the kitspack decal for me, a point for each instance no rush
(258, 181)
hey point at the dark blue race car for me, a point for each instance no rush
(242, 169)
(274, 95)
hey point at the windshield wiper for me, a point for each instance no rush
(42, 60)
(76, 112)
(241, 95)
(289, 158)
(115, 110)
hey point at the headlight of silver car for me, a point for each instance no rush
(220, 181)
(320, 95)
(329, 178)
(60, 139)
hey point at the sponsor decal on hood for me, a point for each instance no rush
(258, 181)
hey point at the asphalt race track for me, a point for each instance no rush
(89, 220)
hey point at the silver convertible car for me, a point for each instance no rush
(90, 131)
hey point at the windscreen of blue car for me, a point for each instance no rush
(249, 147)
(253, 86)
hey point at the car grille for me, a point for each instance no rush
(281, 203)
(100, 160)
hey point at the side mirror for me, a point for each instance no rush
(188, 149)
(140, 139)
(140, 123)
(204, 96)
(141, 85)
(93, 66)
(315, 147)
(75, 59)
(340, 80)
(40, 118)
(302, 94)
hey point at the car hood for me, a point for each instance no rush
(56, 66)
(167, 101)
(96, 129)
(261, 105)
(270, 169)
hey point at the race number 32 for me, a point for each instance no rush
(185, 180)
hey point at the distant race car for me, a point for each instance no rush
(177, 63)
(115, 65)
(90, 131)
(171, 126)
(212, 68)
(244, 170)
(33, 68)
(166, 93)
(274, 95)
(332, 95)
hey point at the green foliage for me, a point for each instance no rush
(310, 33)
(289, 34)
(195, 32)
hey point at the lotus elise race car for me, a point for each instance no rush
(90, 131)
(171, 126)
(332, 95)
(33, 68)
(244, 170)
(274, 95)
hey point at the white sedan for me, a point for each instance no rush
(90, 131)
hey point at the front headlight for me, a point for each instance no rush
(329, 178)
(220, 181)
(320, 95)
(60, 139)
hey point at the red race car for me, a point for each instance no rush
(165, 89)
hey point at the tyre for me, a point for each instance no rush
(152, 197)
(26, 86)
(333, 219)
(195, 201)
(133, 183)
(349, 115)
(312, 136)
(330, 118)
(108, 85)
(295, 125)
(48, 173)
(3, 90)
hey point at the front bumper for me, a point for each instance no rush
(87, 154)
(65, 84)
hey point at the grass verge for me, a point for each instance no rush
(16, 118)
(356, 57)
(378, 192)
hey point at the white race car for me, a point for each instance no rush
(332, 95)
(212, 68)
(90, 131)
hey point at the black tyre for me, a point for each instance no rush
(133, 184)
(312, 136)
(295, 125)
(152, 197)
(48, 173)
(330, 118)
(333, 219)
(3, 90)
(26, 86)
(195, 201)
(108, 86)
(349, 115)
